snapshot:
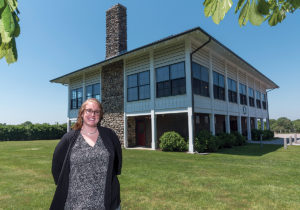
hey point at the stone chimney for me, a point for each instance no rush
(116, 31)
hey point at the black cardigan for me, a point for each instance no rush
(61, 168)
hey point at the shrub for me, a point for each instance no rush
(226, 140)
(268, 135)
(205, 142)
(239, 139)
(255, 134)
(172, 141)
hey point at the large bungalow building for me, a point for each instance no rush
(185, 82)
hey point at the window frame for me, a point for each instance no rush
(243, 96)
(219, 91)
(78, 100)
(169, 84)
(232, 95)
(200, 87)
(138, 86)
(94, 94)
(258, 101)
(251, 98)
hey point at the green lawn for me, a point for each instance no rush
(245, 177)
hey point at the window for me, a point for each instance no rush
(232, 90)
(138, 86)
(93, 91)
(251, 96)
(219, 86)
(170, 80)
(264, 101)
(200, 80)
(258, 104)
(243, 97)
(76, 98)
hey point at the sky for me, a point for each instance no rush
(58, 37)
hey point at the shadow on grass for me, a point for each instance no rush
(251, 149)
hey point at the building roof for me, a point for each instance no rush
(63, 79)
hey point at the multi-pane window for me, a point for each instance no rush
(76, 98)
(264, 101)
(200, 80)
(170, 80)
(219, 86)
(258, 104)
(93, 91)
(138, 86)
(251, 96)
(243, 94)
(232, 90)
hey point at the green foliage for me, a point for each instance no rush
(172, 141)
(267, 134)
(226, 140)
(9, 30)
(29, 131)
(255, 11)
(205, 142)
(239, 139)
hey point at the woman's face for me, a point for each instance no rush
(91, 114)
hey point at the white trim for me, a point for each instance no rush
(153, 130)
(83, 88)
(125, 131)
(137, 114)
(191, 130)
(171, 112)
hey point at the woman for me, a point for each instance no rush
(86, 163)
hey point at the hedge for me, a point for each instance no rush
(29, 131)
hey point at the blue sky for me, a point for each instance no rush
(58, 37)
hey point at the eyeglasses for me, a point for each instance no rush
(90, 112)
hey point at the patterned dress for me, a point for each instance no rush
(87, 178)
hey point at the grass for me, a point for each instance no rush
(247, 177)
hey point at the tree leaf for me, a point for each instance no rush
(254, 16)
(217, 9)
(263, 7)
(8, 20)
(13, 4)
(2, 4)
(11, 55)
(273, 20)
(239, 5)
(244, 14)
(6, 38)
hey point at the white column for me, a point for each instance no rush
(268, 123)
(69, 99)
(100, 82)
(125, 105)
(191, 132)
(188, 70)
(152, 98)
(153, 130)
(239, 124)
(212, 123)
(255, 123)
(83, 88)
(249, 128)
(227, 122)
(125, 131)
(262, 126)
(68, 124)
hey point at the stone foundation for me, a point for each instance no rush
(131, 132)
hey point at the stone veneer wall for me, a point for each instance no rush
(131, 131)
(116, 30)
(113, 98)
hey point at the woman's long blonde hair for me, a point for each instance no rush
(79, 122)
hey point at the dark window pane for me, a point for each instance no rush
(162, 74)
(132, 81)
(96, 89)
(89, 91)
(144, 78)
(204, 74)
(73, 94)
(177, 70)
(144, 92)
(79, 102)
(163, 89)
(196, 71)
(79, 93)
(73, 104)
(216, 78)
(216, 93)
(178, 86)
(221, 80)
(196, 86)
(132, 94)
(204, 88)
